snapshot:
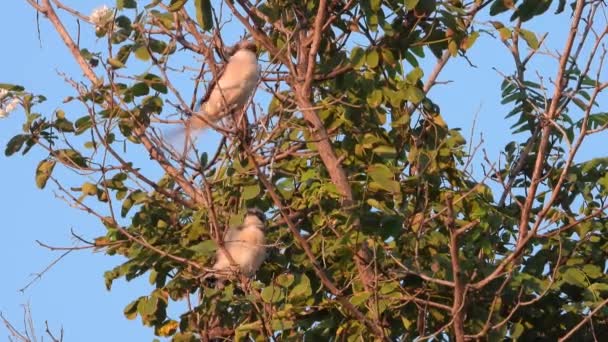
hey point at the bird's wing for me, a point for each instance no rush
(211, 86)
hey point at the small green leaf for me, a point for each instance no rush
(142, 53)
(360, 298)
(43, 172)
(140, 89)
(357, 57)
(374, 99)
(574, 276)
(470, 40)
(121, 4)
(204, 14)
(70, 158)
(380, 171)
(272, 294)
(383, 178)
(115, 63)
(385, 151)
(89, 189)
(592, 271)
(505, 33)
(530, 38)
(64, 125)
(414, 94)
(176, 5)
(281, 324)
(372, 59)
(130, 310)
(285, 279)
(500, 6)
(414, 76)
(410, 4)
(12, 87)
(206, 248)
(167, 328)
(251, 191)
(518, 329)
(302, 290)
(155, 82)
(15, 144)
(82, 124)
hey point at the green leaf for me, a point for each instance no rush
(374, 99)
(204, 14)
(121, 4)
(251, 191)
(383, 178)
(302, 289)
(385, 151)
(380, 171)
(89, 189)
(359, 298)
(82, 124)
(560, 7)
(410, 4)
(285, 279)
(167, 328)
(11, 87)
(130, 311)
(15, 144)
(414, 76)
(176, 5)
(505, 33)
(531, 8)
(206, 248)
(500, 6)
(372, 59)
(414, 94)
(357, 57)
(518, 329)
(115, 63)
(155, 82)
(140, 89)
(142, 53)
(43, 172)
(470, 40)
(70, 158)
(281, 324)
(574, 276)
(64, 125)
(530, 38)
(272, 294)
(592, 271)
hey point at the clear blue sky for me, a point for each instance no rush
(72, 295)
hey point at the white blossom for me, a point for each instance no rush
(101, 16)
(5, 110)
(12, 105)
(3, 93)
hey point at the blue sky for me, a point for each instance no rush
(72, 294)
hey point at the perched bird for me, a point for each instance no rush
(245, 244)
(232, 88)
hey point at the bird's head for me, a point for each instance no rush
(247, 45)
(253, 215)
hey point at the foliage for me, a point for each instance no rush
(378, 228)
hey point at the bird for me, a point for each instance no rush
(231, 89)
(246, 246)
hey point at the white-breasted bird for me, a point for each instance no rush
(246, 246)
(232, 88)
